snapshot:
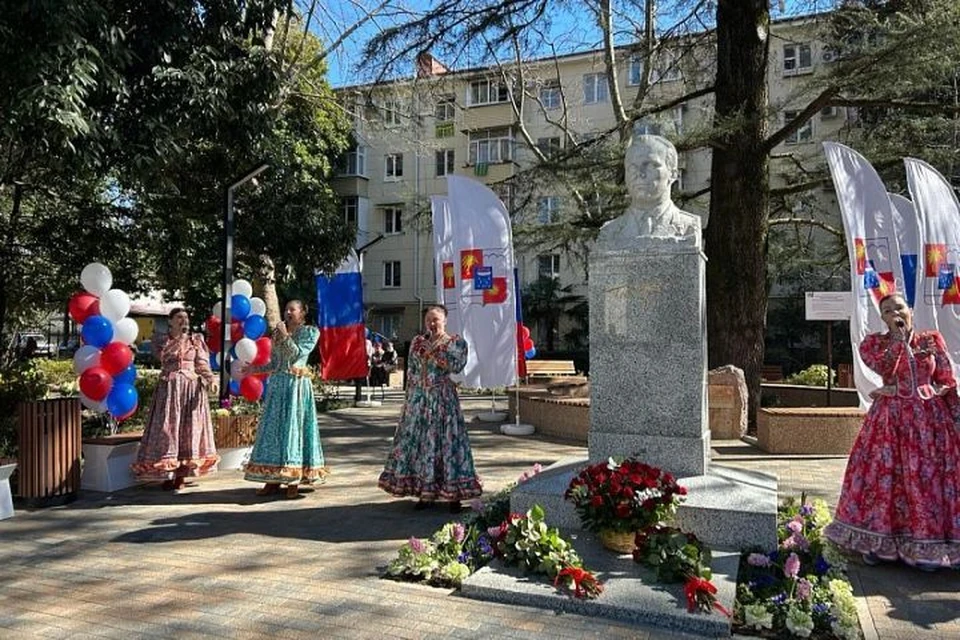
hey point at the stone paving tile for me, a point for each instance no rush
(219, 561)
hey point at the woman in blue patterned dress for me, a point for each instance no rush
(431, 456)
(287, 450)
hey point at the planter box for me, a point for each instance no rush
(107, 460)
(231, 432)
(6, 498)
(48, 432)
(810, 430)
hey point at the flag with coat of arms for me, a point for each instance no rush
(475, 279)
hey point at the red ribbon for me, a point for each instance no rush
(697, 587)
(582, 580)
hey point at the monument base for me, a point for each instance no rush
(630, 591)
(726, 508)
(681, 456)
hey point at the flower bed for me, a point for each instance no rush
(799, 589)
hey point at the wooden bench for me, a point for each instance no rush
(550, 368)
(771, 372)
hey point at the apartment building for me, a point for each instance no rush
(486, 122)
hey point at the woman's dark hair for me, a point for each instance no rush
(175, 311)
(895, 294)
(439, 307)
(303, 306)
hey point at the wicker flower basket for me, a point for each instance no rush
(621, 542)
(234, 431)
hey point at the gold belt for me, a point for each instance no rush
(300, 372)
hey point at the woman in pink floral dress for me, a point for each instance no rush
(178, 439)
(901, 491)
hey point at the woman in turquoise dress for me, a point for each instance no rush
(287, 450)
(431, 456)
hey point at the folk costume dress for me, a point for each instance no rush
(901, 490)
(287, 449)
(431, 455)
(178, 438)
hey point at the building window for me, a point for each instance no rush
(391, 274)
(548, 265)
(681, 180)
(483, 92)
(667, 68)
(595, 88)
(388, 325)
(647, 127)
(803, 134)
(830, 113)
(393, 166)
(392, 220)
(504, 191)
(491, 146)
(350, 207)
(446, 110)
(445, 162)
(550, 96)
(353, 162)
(549, 146)
(635, 70)
(797, 59)
(548, 210)
(391, 112)
(676, 115)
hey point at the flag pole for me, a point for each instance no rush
(517, 428)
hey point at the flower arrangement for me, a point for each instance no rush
(235, 423)
(440, 561)
(625, 496)
(800, 588)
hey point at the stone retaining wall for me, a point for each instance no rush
(811, 430)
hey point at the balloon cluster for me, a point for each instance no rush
(251, 345)
(105, 361)
(529, 350)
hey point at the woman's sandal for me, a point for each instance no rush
(268, 489)
(293, 491)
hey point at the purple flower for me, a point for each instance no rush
(806, 510)
(484, 543)
(226, 403)
(416, 544)
(821, 607)
(792, 566)
(795, 525)
(821, 566)
(458, 532)
(464, 557)
(780, 598)
(804, 589)
(537, 468)
(758, 560)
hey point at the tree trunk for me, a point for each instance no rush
(736, 236)
(6, 257)
(266, 283)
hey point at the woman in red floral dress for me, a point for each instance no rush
(901, 491)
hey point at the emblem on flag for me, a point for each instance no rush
(482, 278)
(860, 252)
(951, 295)
(449, 281)
(945, 279)
(497, 292)
(935, 256)
(470, 258)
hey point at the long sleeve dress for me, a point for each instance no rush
(901, 490)
(178, 438)
(431, 455)
(287, 449)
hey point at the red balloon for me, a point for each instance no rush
(524, 331)
(214, 326)
(251, 388)
(129, 414)
(115, 357)
(527, 344)
(236, 331)
(264, 349)
(83, 305)
(96, 382)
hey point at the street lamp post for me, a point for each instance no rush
(227, 290)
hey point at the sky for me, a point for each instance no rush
(565, 30)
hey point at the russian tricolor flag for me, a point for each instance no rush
(343, 349)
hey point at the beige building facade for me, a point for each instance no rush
(484, 123)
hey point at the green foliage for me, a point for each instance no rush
(21, 381)
(674, 554)
(546, 301)
(530, 544)
(813, 376)
(59, 376)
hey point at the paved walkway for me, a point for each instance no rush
(218, 561)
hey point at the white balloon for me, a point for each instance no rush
(236, 370)
(242, 287)
(86, 356)
(114, 305)
(258, 307)
(217, 310)
(93, 405)
(126, 331)
(219, 360)
(246, 350)
(96, 278)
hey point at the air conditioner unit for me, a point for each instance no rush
(828, 56)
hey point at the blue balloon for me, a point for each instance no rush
(532, 353)
(122, 400)
(97, 331)
(213, 362)
(234, 388)
(239, 307)
(254, 327)
(127, 376)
